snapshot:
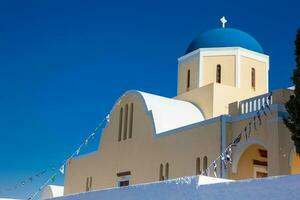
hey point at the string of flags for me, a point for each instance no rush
(61, 169)
(226, 155)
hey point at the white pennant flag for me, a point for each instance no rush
(107, 118)
(215, 168)
(77, 151)
(62, 169)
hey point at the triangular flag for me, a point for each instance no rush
(107, 118)
(215, 168)
(237, 139)
(69, 161)
(245, 132)
(228, 156)
(249, 132)
(62, 169)
(93, 135)
(263, 110)
(53, 178)
(86, 141)
(223, 159)
(268, 107)
(254, 122)
(258, 117)
(78, 151)
(269, 97)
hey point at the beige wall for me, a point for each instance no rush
(209, 66)
(143, 153)
(260, 73)
(193, 66)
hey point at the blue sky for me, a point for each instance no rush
(63, 64)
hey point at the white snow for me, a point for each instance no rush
(169, 114)
(190, 188)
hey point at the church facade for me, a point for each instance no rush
(222, 86)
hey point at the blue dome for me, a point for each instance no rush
(225, 37)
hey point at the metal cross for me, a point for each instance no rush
(224, 21)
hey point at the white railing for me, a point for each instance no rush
(255, 103)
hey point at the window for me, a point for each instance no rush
(163, 176)
(218, 74)
(124, 178)
(161, 169)
(120, 124)
(253, 78)
(167, 172)
(125, 122)
(205, 165)
(130, 120)
(188, 80)
(198, 170)
(88, 184)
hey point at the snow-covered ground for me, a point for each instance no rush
(201, 188)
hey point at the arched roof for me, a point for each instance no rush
(168, 114)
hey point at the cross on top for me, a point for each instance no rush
(224, 21)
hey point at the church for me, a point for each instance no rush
(222, 95)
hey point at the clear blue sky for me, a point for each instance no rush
(63, 64)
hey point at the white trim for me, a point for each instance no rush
(225, 51)
(267, 75)
(240, 149)
(238, 52)
(200, 80)
(237, 70)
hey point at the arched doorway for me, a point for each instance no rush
(295, 162)
(253, 163)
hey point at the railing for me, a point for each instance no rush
(255, 103)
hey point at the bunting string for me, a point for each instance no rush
(226, 156)
(61, 169)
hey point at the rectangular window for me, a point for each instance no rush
(131, 120)
(87, 184)
(253, 78)
(188, 80)
(218, 74)
(120, 124)
(125, 122)
(123, 178)
(123, 183)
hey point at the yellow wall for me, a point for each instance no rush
(260, 73)
(193, 66)
(209, 66)
(143, 153)
(245, 165)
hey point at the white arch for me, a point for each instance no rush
(167, 114)
(240, 149)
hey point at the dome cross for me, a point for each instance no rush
(224, 21)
